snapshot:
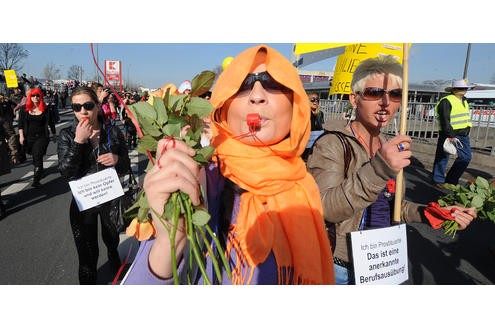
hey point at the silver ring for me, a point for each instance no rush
(401, 147)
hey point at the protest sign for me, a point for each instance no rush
(380, 255)
(95, 189)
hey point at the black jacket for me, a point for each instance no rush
(23, 122)
(77, 160)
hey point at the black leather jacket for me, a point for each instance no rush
(77, 160)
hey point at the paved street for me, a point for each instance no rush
(37, 247)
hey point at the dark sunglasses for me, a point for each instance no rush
(378, 93)
(87, 106)
(39, 96)
(266, 81)
(314, 99)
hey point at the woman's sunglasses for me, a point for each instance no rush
(395, 95)
(87, 106)
(38, 96)
(314, 100)
(266, 81)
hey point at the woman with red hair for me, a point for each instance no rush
(34, 121)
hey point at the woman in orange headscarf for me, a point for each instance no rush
(265, 207)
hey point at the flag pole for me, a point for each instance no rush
(399, 183)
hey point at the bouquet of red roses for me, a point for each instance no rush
(164, 116)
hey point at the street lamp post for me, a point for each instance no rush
(464, 76)
(128, 76)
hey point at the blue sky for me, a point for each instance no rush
(169, 41)
(155, 64)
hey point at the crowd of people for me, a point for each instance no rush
(261, 182)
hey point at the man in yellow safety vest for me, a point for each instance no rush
(454, 124)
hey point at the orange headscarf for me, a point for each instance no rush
(281, 210)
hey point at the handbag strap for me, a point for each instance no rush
(345, 145)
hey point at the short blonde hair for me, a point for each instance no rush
(369, 68)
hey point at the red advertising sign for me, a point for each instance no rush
(113, 73)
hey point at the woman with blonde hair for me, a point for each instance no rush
(355, 166)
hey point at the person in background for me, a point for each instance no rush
(317, 119)
(260, 195)
(101, 92)
(144, 96)
(185, 87)
(206, 95)
(356, 175)
(130, 131)
(6, 133)
(17, 96)
(56, 106)
(21, 103)
(206, 133)
(454, 123)
(7, 115)
(85, 147)
(51, 104)
(109, 109)
(63, 97)
(136, 96)
(35, 123)
(7, 109)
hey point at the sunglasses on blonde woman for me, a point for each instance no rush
(374, 93)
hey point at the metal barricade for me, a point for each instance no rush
(422, 123)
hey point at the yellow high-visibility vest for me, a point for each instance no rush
(459, 116)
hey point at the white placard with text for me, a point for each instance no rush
(95, 189)
(380, 256)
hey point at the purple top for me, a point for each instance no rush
(379, 214)
(140, 273)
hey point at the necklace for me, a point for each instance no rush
(363, 142)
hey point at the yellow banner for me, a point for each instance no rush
(353, 55)
(302, 48)
(10, 78)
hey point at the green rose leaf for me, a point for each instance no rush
(206, 152)
(477, 201)
(169, 211)
(161, 111)
(200, 217)
(144, 109)
(148, 126)
(175, 102)
(482, 182)
(172, 130)
(202, 83)
(200, 107)
(174, 119)
(146, 143)
(463, 199)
